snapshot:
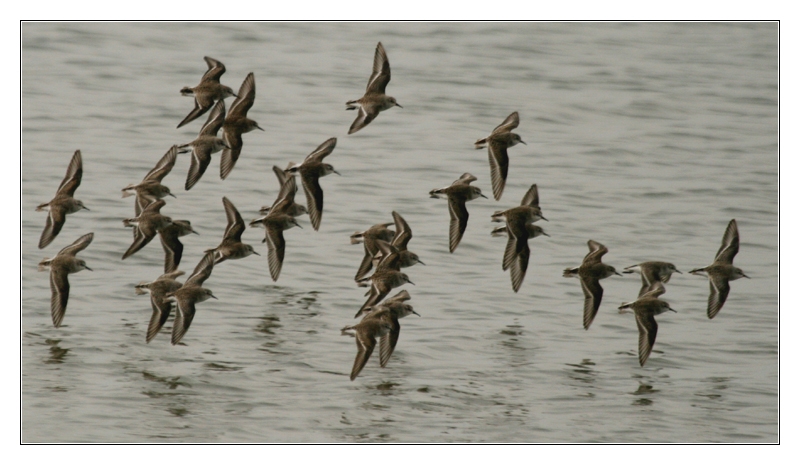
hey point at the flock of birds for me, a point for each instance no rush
(385, 249)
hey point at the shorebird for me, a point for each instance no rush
(285, 201)
(381, 282)
(63, 203)
(381, 322)
(591, 271)
(208, 91)
(518, 220)
(652, 272)
(274, 223)
(519, 260)
(645, 309)
(311, 169)
(369, 237)
(499, 141)
(145, 226)
(231, 245)
(64, 263)
(206, 143)
(162, 306)
(236, 124)
(375, 99)
(151, 189)
(173, 248)
(722, 270)
(458, 194)
(190, 294)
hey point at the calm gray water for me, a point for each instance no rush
(647, 138)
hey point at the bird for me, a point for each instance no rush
(652, 272)
(151, 189)
(231, 245)
(517, 220)
(206, 143)
(498, 142)
(190, 294)
(64, 263)
(380, 283)
(458, 194)
(591, 271)
(63, 203)
(311, 169)
(145, 226)
(285, 200)
(236, 124)
(274, 223)
(162, 307)
(375, 99)
(645, 308)
(405, 257)
(381, 322)
(722, 270)
(173, 248)
(208, 91)
(375, 232)
(519, 262)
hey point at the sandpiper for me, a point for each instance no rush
(63, 203)
(151, 189)
(236, 124)
(64, 263)
(231, 245)
(188, 295)
(517, 220)
(162, 307)
(145, 226)
(173, 248)
(458, 194)
(285, 201)
(722, 270)
(208, 91)
(275, 222)
(591, 271)
(206, 143)
(369, 237)
(311, 169)
(366, 332)
(645, 309)
(375, 99)
(652, 272)
(519, 259)
(382, 281)
(499, 141)
(405, 257)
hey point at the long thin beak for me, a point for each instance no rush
(259, 127)
(195, 232)
(411, 283)
(398, 105)
(748, 277)
(86, 208)
(677, 271)
(522, 141)
(256, 253)
(421, 262)
(337, 172)
(88, 268)
(548, 235)
(482, 196)
(415, 313)
(545, 219)
(617, 274)
(172, 195)
(212, 295)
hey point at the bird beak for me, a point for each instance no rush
(212, 295)
(748, 277)
(421, 262)
(195, 232)
(411, 283)
(481, 196)
(337, 172)
(88, 268)
(397, 105)
(259, 127)
(172, 195)
(522, 141)
(86, 208)
(677, 271)
(256, 253)
(617, 273)
(415, 313)
(548, 235)
(545, 219)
